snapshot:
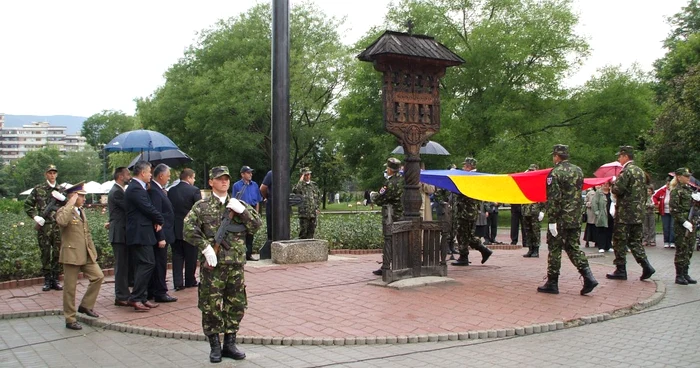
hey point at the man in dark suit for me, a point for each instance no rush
(141, 219)
(182, 197)
(117, 235)
(158, 289)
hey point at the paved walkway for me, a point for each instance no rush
(664, 335)
(332, 303)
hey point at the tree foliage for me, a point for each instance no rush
(101, 128)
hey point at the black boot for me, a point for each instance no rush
(647, 270)
(680, 276)
(54, 283)
(463, 260)
(589, 282)
(551, 286)
(687, 277)
(485, 253)
(47, 283)
(619, 274)
(215, 344)
(230, 350)
(535, 252)
(529, 252)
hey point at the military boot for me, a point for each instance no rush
(619, 274)
(215, 344)
(463, 260)
(54, 283)
(589, 282)
(680, 275)
(687, 277)
(485, 253)
(535, 252)
(230, 350)
(47, 283)
(647, 270)
(529, 252)
(551, 286)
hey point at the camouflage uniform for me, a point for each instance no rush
(310, 202)
(222, 294)
(631, 192)
(531, 223)
(681, 203)
(564, 206)
(391, 194)
(445, 197)
(49, 236)
(466, 212)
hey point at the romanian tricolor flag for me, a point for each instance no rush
(518, 188)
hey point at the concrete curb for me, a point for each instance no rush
(365, 340)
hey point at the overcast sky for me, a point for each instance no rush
(75, 57)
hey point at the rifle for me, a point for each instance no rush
(226, 227)
(51, 206)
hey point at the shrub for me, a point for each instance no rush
(11, 206)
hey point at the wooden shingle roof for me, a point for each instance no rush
(404, 44)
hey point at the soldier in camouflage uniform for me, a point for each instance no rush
(391, 194)
(222, 295)
(310, 202)
(533, 214)
(630, 188)
(681, 205)
(446, 203)
(466, 212)
(41, 205)
(564, 206)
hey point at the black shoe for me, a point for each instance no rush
(589, 282)
(486, 242)
(215, 345)
(513, 243)
(529, 252)
(647, 270)
(378, 272)
(485, 254)
(462, 261)
(47, 284)
(230, 350)
(179, 288)
(165, 299)
(55, 285)
(88, 312)
(535, 252)
(687, 277)
(74, 326)
(551, 286)
(620, 273)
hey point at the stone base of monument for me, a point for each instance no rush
(412, 282)
(299, 251)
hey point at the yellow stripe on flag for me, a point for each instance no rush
(490, 188)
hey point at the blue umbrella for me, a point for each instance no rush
(140, 141)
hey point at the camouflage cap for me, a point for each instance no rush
(560, 150)
(683, 171)
(393, 163)
(219, 171)
(533, 167)
(76, 188)
(471, 161)
(625, 150)
(305, 170)
(51, 168)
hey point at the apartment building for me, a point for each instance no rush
(15, 142)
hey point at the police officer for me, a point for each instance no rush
(41, 205)
(681, 204)
(467, 212)
(310, 202)
(630, 189)
(533, 214)
(222, 295)
(391, 193)
(564, 206)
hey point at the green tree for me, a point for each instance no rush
(215, 103)
(101, 128)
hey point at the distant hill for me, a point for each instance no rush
(73, 123)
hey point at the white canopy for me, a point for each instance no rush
(93, 187)
(29, 191)
(106, 186)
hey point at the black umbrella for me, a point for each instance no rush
(171, 158)
(429, 148)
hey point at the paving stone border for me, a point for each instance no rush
(364, 340)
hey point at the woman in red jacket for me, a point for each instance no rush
(661, 198)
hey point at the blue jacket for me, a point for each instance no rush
(248, 193)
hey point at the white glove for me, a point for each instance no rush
(614, 178)
(58, 196)
(235, 205)
(540, 216)
(39, 220)
(210, 255)
(553, 230)
(696, 196)
(688, 225)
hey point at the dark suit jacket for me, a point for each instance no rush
(182, 197)
(117, 215)
(160, 200)
(140, 216)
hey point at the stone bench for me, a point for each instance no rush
(299, 251)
